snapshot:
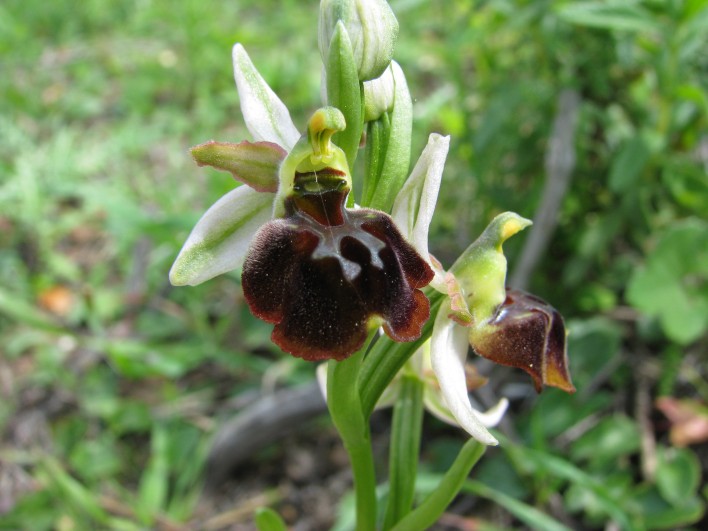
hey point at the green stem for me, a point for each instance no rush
(345, 408)
(386, 358)
(428, 512)
(405, 445)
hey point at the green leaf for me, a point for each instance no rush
(152, 493)
(268, 520)
(619, 15)
(16, 308)
(73, 492)
(405, 445)
(613, 437)
(428, 512)
(657, 513)
(580, 497)
(593, 343)
(627, 166)
(673, 282)
(529, 515)
(344, 91)
(136, 359)
(678, 474)
(535, 461)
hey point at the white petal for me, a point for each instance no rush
(219, 242)
(321, 374)
(266, 117)
(415, 204)
(435, 404)
(493, 415)
(448, 342)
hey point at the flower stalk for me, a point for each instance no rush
(344, 405)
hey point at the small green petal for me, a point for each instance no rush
(252, 163)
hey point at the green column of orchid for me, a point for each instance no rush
(481, 270)
(314, 151)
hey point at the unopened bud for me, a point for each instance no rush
(372, 29)
(379, 95)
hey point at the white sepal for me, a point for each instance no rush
(266, 117)
(219, 241)
(415, 204)
(448, 350)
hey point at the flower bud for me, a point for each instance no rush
(372, 29)
(379, 95)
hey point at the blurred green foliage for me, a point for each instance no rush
(99, 103)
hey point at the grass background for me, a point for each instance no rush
(112, 381)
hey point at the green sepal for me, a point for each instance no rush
(344, 91)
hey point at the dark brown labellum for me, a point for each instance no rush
(527, 333)
(325, 273)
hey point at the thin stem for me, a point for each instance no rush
(345, 408)
(428, 512)
(386, 358)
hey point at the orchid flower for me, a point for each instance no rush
(325, 274)
(513, 329)
(322, 273)
(446, 393)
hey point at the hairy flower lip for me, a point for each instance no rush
(324, 275)
(529, 334)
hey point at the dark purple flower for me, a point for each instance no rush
(527, 333)
(325, 275)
